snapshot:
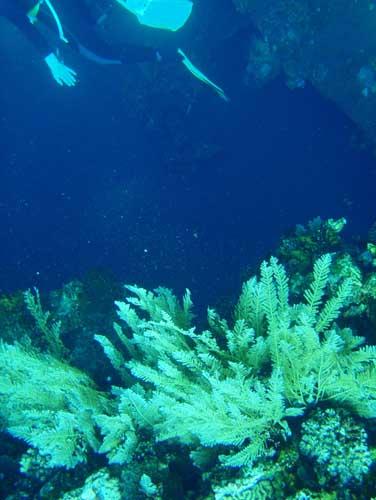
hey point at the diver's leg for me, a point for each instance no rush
(96, 50)
(80, 28)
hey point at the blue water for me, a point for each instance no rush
(85, 182)
(145, 173)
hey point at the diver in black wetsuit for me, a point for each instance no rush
(27, 15)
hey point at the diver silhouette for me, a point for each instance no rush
(41, 25)
(75, 26)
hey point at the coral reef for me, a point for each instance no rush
(216, 378)
(277, 401)
(97, 485)
(343, 456)
(48, 404)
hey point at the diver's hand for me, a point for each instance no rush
(61, 73)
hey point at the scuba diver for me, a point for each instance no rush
(41, 25)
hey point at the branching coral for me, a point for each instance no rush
(49, 328)
(233, 395)
(49, 404)
(231, 389)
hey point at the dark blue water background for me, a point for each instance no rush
(83, 183)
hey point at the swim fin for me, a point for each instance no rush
(163, 14)
(200, 76)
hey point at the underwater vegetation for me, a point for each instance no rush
(278, 400)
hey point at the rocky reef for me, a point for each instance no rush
(329, 44)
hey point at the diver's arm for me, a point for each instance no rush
(101, 53)
(168, 55)
(16, 15)
(139, 54)
(61, 73)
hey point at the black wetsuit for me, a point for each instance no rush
(79, 28)
(15, 13)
